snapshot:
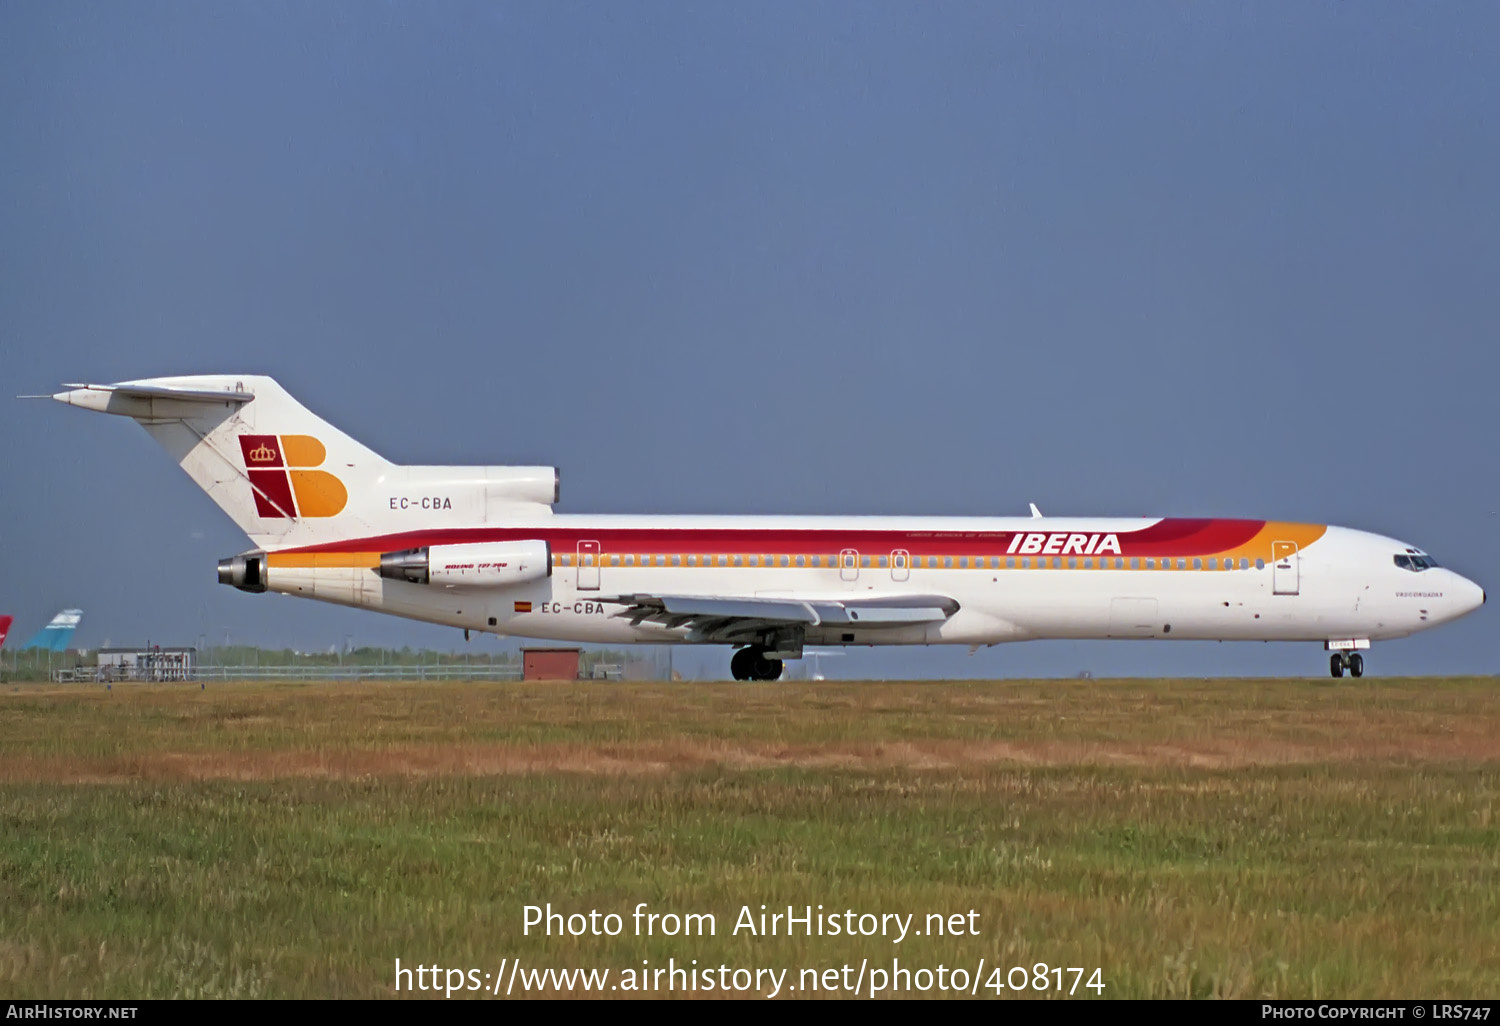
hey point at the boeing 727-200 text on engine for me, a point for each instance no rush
(480, 548)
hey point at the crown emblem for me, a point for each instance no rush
(262, 454)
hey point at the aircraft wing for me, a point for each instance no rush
(731, 618)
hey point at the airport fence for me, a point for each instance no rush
(435, 672)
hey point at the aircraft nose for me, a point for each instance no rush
(1470, 595)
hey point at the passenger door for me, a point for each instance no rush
(588, 566)
(1286, 569)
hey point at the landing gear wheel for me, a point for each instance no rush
(1356, 665)
(1336, 664)
(742, 664)
(766, 668)
(753, 664)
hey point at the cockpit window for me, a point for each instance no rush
(1416, 562)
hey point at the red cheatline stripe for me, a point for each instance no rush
(1182, 537)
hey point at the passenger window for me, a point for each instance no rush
(1025, 562)
(1260, 564)
(1057, 562)
(1135, 562)
(1197, 563)
(1150, 564)
(963, 562)
(1072, 562)
(883, 561)
(1213, 564)
(723, 560)
(1010, 562)
(801, 560)
(1088, 563)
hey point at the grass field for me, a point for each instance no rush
(1241, 838)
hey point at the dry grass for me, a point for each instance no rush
(1240, 838)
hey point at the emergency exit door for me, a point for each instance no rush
(900, 565)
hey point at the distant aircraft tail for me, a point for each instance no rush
(289, 478)
(4, 628)
(55, 636)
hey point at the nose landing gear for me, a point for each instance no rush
(752, 663)
(1351, 661)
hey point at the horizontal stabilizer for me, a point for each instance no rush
(97, 397)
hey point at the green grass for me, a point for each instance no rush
(1189, 838)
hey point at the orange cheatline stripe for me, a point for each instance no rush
(1259, 547)
(325, 560)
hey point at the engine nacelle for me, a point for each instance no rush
(523, 484)
(246, 572)
(481, 565)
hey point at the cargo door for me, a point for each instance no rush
(1133, 618)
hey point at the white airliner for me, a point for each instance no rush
(479, 548)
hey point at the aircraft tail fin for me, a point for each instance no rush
(59, 631)
(5, 622)
(288, 478)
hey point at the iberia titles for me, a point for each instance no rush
(1064, 544)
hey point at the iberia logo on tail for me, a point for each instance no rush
(283, 480)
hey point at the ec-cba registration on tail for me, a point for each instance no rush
(480, 548)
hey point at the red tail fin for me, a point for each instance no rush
(4, 627)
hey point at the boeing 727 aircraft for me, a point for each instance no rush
(480, 548)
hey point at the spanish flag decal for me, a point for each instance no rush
(523, 607)
(281, 478)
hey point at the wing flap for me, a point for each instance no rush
(732, 617)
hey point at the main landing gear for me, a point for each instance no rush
(1351, 661)
(752, 663)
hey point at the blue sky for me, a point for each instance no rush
(1156, 259)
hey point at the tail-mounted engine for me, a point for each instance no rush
(482, 565)
(246, 572)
